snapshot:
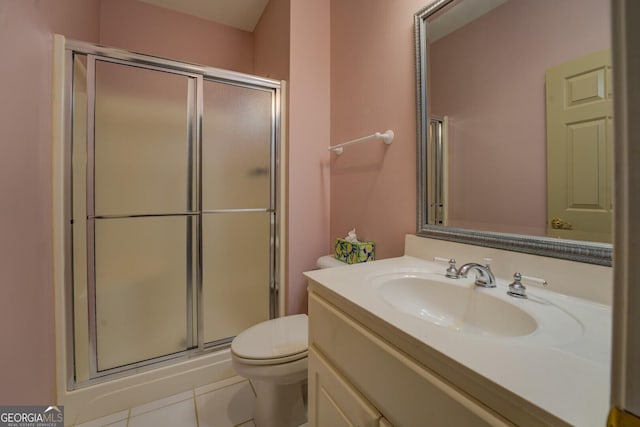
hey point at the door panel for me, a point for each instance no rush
(236, 272)
(141, 280)
(586, 153)
(236, 154)
(142, 140)
(579, 147)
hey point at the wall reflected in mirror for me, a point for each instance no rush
(520, 117)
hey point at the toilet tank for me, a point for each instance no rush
(329, 261)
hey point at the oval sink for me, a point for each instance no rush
(462, 308)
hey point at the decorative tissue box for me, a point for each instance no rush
(352, 253)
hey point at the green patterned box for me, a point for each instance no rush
(352, 253)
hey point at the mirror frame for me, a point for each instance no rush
(588, 252)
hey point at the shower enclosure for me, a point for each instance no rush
(171, 208)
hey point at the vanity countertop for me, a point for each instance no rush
(565, 376)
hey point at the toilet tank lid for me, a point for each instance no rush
(329, 261)
(273, 338)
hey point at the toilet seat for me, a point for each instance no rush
(273, 342)
(272, 361)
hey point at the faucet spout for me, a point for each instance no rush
(484, 275)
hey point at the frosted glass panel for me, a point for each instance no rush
(141, 282)
(141, 134)
(236, 147)
(235, 272)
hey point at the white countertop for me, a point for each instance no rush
(565, 373)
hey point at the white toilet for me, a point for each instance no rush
(273, 356)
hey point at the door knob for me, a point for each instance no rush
(561, 224)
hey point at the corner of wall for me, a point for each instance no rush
(309, 135)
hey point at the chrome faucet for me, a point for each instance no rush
(484, 276)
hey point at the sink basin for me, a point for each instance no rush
(461, 307)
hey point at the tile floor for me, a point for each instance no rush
(224, 404)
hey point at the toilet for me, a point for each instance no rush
(273, 356)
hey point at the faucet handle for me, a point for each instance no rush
(452, 271)
(487, 262)
(516, 288)
(536, 280)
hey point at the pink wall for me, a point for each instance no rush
(271, 41)
(309, 122)
(27, 359)
(373, 187)
(491, 83)
(141, 27)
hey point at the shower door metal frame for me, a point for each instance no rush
(193, 144)
(199, 74)
(435, 176)
(273, 201)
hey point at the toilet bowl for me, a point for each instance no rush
(273, 356)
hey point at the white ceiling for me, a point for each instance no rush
(242, 14)
(458, 16)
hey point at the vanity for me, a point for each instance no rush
(396, 343)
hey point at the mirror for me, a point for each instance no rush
(515, 125)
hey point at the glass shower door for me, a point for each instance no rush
(141, 213)
(173, 209)
(238, 214)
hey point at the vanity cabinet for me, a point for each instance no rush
(357, 378)
(333, 401)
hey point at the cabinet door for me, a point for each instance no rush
(333, 402)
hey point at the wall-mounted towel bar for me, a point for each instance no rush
(387, 138)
